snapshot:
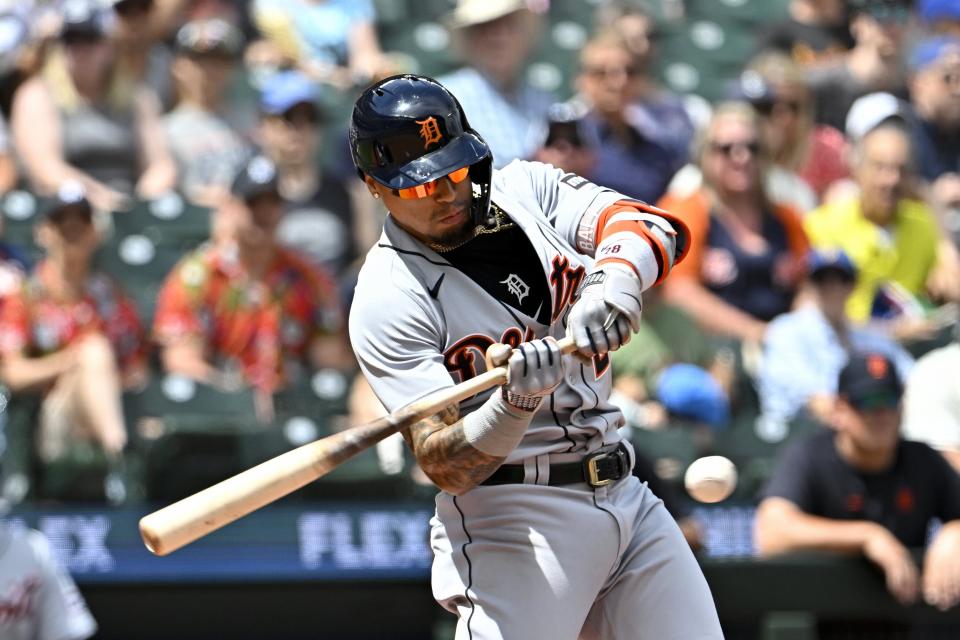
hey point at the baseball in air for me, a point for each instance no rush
(710, 479)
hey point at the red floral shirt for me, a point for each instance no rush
(263, 325)
(34, 323)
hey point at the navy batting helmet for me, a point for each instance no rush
(407, 130)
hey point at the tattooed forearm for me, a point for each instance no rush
(446, 457)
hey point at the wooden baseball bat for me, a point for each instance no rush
(195, 516)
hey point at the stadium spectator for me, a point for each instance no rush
(875, 63)
(651, 386)
(38, 598)
(775, 88)
(932, 401)
(891, 237)
(209, 151)
(79, 120)
(333, 41)
(805, 349)
(860, 488)
(244, 307)
(318, 218)
(566, 145)
(141, 53)
(816, 153)
(746, 260)
(640, 133)
(634, 22)
(69, 333)
(495, 40)
(935, 97)
(815, 32)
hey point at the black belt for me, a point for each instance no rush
(597, 469)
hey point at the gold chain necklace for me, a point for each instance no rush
(500, 223)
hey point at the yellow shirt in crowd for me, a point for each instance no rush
(903, 252)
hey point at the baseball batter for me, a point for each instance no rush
(540, 529)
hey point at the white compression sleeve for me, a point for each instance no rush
(496, 428)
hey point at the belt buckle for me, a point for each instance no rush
(593, 474)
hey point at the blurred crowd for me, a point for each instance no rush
(822, 190)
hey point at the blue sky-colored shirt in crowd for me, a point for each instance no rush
(803, 356)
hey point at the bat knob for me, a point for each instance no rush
(497, 355)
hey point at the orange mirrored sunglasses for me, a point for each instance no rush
(428, 188)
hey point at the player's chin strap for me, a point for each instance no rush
(648, 240)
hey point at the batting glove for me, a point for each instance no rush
(607, 310)
(534, 370)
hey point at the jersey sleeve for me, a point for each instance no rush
(564, 198)
(400, 351)
(14, 324)
(792, 477)
(177, 316)
(62, 613)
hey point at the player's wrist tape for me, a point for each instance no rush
(496, 428)
(524, 403)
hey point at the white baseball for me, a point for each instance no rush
(710, 479)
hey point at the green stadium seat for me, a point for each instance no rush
(18, 208)
(187, 436)
(17, 463)
(315, 407)
(172, 395)
(166, 221)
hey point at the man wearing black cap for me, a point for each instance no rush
(71, 334)
(860, 488)
(244, 304)
(206, 145)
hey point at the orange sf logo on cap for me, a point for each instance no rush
(877, 366)
(429, 131)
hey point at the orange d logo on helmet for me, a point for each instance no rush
(429, 131)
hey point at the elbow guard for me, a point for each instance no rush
(648, 240)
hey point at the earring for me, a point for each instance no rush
(376, 195)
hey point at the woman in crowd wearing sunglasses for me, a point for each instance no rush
(746, 260)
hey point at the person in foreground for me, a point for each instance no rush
(540, 529)
(861, 488)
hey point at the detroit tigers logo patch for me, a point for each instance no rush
(429, 131)
(516, 287)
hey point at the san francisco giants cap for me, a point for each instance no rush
(870, 380)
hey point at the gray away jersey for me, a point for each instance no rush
(418, 324)
(38, 599)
